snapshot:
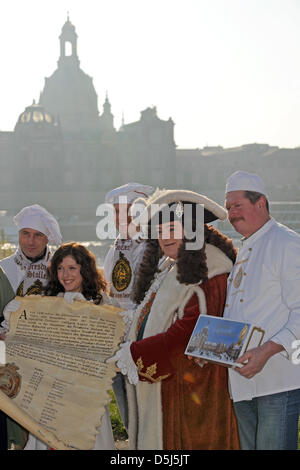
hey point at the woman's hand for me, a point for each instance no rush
(71, 296)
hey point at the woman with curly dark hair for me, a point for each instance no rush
(173, 403)
(73, 268)
(73, 273)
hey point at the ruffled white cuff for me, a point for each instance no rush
(125, 362)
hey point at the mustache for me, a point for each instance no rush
(235, 219)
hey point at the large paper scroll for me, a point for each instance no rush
(58, 377)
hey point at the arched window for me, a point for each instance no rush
(68, 49)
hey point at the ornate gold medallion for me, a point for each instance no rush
(238, 278)
(121, 275)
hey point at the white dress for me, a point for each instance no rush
(104, 438)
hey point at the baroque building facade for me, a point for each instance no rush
(65, 155)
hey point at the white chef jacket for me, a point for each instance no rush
(268, 296)
(132, 252)
(19, 269)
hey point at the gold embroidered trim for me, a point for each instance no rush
(145, 311)
(238, 278)
(242, 261)
(35, 289)
(150, 371)
(237, 292)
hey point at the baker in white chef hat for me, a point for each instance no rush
(122, 198)
(263, 290)
(36, 217)
(246, 202)
(26, 269)
(130, 190)
(121, 264)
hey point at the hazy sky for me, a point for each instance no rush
(226, 71)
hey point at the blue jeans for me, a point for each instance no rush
(269, 422)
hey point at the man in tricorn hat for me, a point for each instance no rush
(263, 289)
(173, 403)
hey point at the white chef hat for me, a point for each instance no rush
(132, 191)
(38, 218)
(243, 181)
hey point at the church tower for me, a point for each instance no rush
(68, 45)
(107, 118)
(69, 92)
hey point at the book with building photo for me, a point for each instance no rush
(222, 340)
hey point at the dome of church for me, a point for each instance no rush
(35, 114)
(37, 123)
